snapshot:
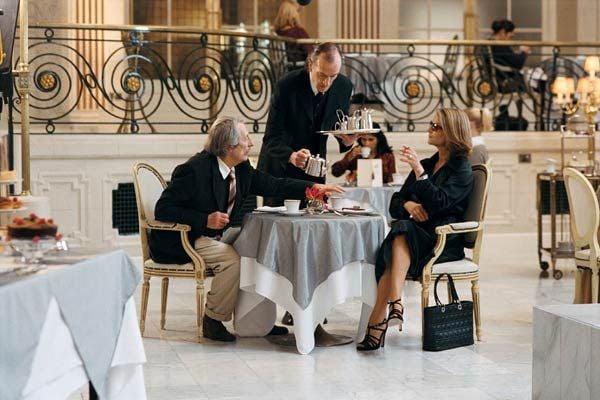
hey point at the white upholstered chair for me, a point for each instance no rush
(585, 219)
(467, 268)
(149, 185)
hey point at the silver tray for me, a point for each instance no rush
(349, 132)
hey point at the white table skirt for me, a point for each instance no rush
(57, 369)
(262, 288)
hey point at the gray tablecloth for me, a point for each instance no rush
(91, 296)
(306, 249)
(377, 198)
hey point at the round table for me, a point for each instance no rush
(307, 265)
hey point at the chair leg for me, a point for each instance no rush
(144, 307)
(164, 291)
(199, 307)
(476, 307)
(424, 303)
(577, 298)
(594, 286)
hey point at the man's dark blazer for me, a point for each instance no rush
(198, 189)
(290, 123)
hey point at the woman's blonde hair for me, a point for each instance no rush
(455, 124)
(482, 118)
(287, 15)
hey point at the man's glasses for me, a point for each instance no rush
(435, 127)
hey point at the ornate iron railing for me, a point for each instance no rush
(117, 79)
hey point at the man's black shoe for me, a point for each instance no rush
(278, 331)
(288, 320)
(215, 330)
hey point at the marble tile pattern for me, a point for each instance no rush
(566, 351)
(498, 368)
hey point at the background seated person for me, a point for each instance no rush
(287, 23)
(378, 148)
(510, 80)
(206, 192)
(481, 121)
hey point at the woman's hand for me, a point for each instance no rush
(409, 156)
(416, 211)
(355, 152)
(328, 188)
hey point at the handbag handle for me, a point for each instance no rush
(453, 293)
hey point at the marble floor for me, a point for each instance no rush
(498, 368)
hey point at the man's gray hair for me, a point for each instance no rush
(222, 135)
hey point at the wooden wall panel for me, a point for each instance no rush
(358, 19)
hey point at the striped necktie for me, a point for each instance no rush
(231, 198)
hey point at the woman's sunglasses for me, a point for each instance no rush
(435, 127)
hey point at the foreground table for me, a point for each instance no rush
(566, 351)
(307, 265)
(70, 325)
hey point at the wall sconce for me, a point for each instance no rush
(588, 92)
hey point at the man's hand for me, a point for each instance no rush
(348, 140)
(416, 211)
(217, 220)
(299, 158)
(328, 188)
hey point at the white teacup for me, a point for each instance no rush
(551, 165)
(292, 206)
(337, 203)
(365, 152)
(397, 179)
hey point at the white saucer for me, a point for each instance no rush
(291, 214)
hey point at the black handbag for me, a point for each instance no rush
(446, 326)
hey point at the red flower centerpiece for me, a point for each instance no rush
(315, 201)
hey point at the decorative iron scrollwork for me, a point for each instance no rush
(46, 81)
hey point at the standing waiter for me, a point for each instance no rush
(305, 102)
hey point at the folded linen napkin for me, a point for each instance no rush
(268, 209)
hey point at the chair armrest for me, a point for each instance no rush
(165, 226)
(459, 227)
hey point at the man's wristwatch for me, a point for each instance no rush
(423, 176)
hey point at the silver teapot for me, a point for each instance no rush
(363, 119)
(316, 166)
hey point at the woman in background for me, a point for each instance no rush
(378, 148)
(481, 121)
(287, 23)
(504, 30)
(436, 193)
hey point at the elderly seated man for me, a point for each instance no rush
(206, 192)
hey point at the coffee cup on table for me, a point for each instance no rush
(337, 203)
(365, 152)
(397, 179)
(292, 206)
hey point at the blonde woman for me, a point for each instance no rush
(436, 192)
(481, 121)
(287, 23)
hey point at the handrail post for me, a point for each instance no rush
(23, 88)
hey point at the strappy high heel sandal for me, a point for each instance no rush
(396, 313)
(372, 342)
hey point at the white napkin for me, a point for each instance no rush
(268, 209)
